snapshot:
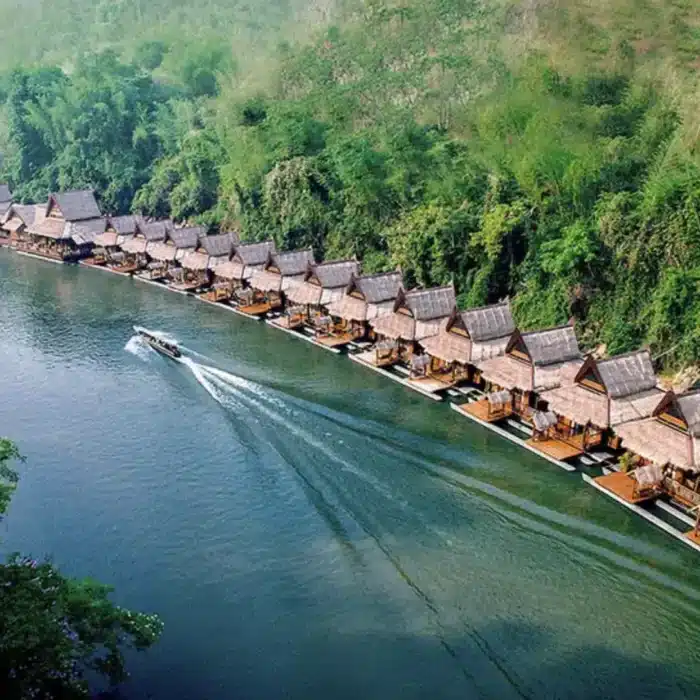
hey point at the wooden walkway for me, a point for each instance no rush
(624, 487)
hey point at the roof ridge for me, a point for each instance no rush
(252, 243)
(430, 289)
(547, 330)
(621, 356)
(337, 262)
(373, 275)
(486, 306)
(296, 251)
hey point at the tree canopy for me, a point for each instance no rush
(54, 629)
(545, 152)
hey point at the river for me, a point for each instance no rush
(308, 529)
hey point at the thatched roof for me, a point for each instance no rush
(293, 262)
(219, 245)
(108, 239)
(154, 230)
(230, 270)
(658, 442)
(349, 308)
(123, 225)
(489, 322)
(627, 374)
(448, 347)
(265, 281)
(584, 405)
(163, 252)
(187, 236)
(689, 404)
(78, 205)
(380, 287)
(254, 253)
(395, 326)
(550, 346)
(428, 304)
(85, 231)
(510, 373)
(49, 228)
(579, 404)
(303, 293)
(134, 245)
(634, 406)
(18, 215)
(195, 261)
(336, 274)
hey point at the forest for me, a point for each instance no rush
(545, 151)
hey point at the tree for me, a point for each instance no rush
(53, 629)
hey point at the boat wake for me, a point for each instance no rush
(138, 348)
(405, 506)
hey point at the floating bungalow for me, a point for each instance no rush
(197, 264)
(230, 277)
(669, 438)
(157, 256)
(16, 223)
(107, 249)
(604, 395)
(268, 284)
(416, 315)
(366, 298)
(532, 363)
(470, 336)
(186, 240)
(309, 298)
(68, 226)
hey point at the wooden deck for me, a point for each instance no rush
(284, 323)
(124, 270)
(480, 411)
(693, 536)
(555, 448)
(624, 487)
(256, 309)
(334, 341)
(185, 286)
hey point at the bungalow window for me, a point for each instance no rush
(673, 421)
(592, 381)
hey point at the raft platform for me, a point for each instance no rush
(297, 334)
(360, 358)
(462, 410)
(36, 256)
(685, 538)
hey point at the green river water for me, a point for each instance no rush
(308, 529)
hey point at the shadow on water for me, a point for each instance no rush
(524, 669)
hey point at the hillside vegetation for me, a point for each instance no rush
(541, 150)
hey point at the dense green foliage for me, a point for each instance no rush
(545, 152)
(54, 629)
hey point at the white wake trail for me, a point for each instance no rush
(138, 348)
